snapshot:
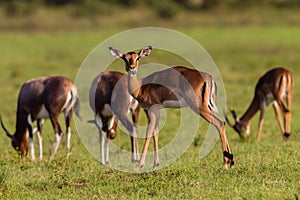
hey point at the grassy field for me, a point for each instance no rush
(268, 169)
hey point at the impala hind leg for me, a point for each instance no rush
(135, 118)
(286, 114)
(278, 117)
(155, 138)
(133, 134)
(68, 117)
(220, 126)
(58, 134)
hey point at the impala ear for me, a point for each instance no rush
(145, 51)
(115, 52)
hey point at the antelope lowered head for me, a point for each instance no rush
(18, 141)
(243, 129)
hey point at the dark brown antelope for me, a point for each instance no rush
(175, 87)
(276, 87)
(110, 101)
(44, 97)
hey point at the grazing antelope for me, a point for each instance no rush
(175, 87)
(273, 87)
(111, 103)
(44, 97)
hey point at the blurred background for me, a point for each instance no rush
(53, 15)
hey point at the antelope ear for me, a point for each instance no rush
(145, 51)
(115, 52)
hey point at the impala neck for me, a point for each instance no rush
(250, 112)
(134, 85)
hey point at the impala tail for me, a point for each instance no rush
(76, 105)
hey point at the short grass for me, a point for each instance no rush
(263, 170)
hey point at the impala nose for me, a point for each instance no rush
(133, 71)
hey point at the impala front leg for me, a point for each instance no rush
(151, 126)
(156, 158)
(39, 136)
(101, 138)
(260, 124)
(155, 138)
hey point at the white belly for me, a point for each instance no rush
(175, 104)
(269, 99)
(107, 110)
(43, 113)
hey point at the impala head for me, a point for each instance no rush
(20, 145)
(241, 128)
(131, 59)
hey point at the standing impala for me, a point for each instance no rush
(110, 103)
(273, 87)
(175, 87)
(44, 97)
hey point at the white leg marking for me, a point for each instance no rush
(101, 138)
(56, 144)
(68, 136)
(136, 155)
(40, 139)
(107, 149)
(31, 144)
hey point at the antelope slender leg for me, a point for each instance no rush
(106, 149)
(31, 144)
(278, 117)
(287, 114)
(56, 144)
(68, 117)
(135, 118)
(30, 134)
(151, 126)
(155, 138)
(156, 158)
(220, 126)
(101, 138)
(133, 135)
(39, 136)
(58, 134)
(260, 124)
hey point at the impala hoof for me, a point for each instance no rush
(228, 159)
(137, 168)
(286, 135)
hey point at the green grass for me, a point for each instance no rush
(268, 169)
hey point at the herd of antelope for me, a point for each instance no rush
(175, 87)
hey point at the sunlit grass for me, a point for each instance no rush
(268, 169)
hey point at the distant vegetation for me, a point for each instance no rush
(163, 8)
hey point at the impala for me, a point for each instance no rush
(276, 87)
(110, 103)
(44, 97)
(174, 87)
